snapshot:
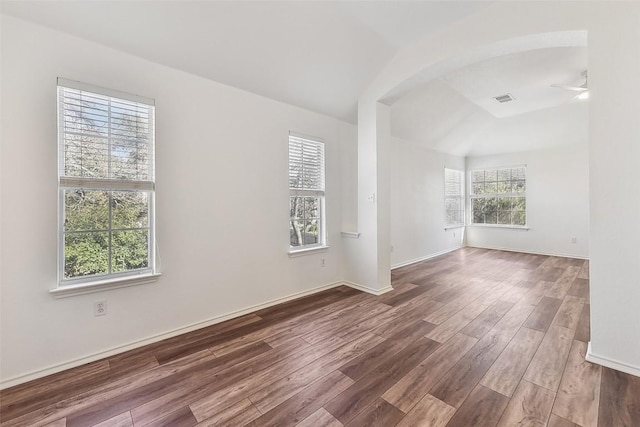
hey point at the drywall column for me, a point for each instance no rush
(369, 256)
(614, 126)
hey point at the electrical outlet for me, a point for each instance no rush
(574, 240)
(100, 308)
(322, 262)
(392, 248)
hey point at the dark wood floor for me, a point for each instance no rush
(472, 338)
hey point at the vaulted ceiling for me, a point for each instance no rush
(321, 55)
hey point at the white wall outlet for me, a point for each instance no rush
(392, 248)
(100, 308)
(322, 262)
(574, 240)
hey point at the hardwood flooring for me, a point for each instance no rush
(472, 338)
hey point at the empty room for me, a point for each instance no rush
(319, 213)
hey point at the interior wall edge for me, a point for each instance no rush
(610, 363)
(526, 251)
(424, 258)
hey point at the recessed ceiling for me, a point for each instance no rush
(457, 113)
(527, 76)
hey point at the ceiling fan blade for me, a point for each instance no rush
(573, 88)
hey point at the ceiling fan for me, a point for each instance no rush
(583, 89)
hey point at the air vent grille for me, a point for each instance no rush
(504, 98)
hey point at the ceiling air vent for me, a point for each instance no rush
(504, 98)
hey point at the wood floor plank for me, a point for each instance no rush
(379, 414)
(547, 365)
(238, 414)
(505, 374)
(183, 417)
(580, 289)
(556, 421)
(369, 388)
(482, 324)
(455, 323)
(25, 398)
(619, 399)
(320, 418)
(459, 382)
(409, 390)
(564, 282)
(428, 412)
(529, 406)
(543, 314)
(569, 312)
(58, 423)
(578, 396)
(277, 392)
(305, 403)
(122, 420)
(583, 330)
(484, 407)
(371, 359)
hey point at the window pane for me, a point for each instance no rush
(129, 250)
(503, 187)
(310, 232)
(86, 254)
(491, 175)
(296, 207)
(519, 203)
(519, 218)
(504, 217)
(519, 186)
(504, 203)
(296, 228)
(311, 205)
(86, 156)
(491, 217)
(504, 174)
(478, 188)
(477, 207)
(130, 209)
(86, 210)
(477, 176)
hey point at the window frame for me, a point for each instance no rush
(460, 197)
(319, 193)
(472, 196)
(97, 282)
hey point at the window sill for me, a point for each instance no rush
(509, 227)
(307, 251)
(103, 285)
(451, 227)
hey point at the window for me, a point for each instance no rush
(498, 196)
(106, 184)
(453, 198)
(306, 193)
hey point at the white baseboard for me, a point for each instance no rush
(217, 319)
(424, 258)
(376, 292)
(609, 363)
(529, 252)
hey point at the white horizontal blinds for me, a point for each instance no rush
(105, 138)
(454, 197)
(306, 164)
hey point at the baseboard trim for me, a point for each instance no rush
(140, 343)
(376, 292)
(424, 258)
(609, 363)
(528, 252)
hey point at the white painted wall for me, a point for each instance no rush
(222, 202)
(614, 128)
(417, 203)
(557, 203)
